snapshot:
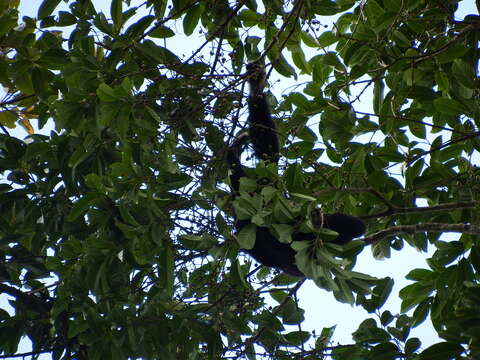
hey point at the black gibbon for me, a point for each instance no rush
(262, 134)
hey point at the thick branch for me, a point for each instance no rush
(15, 100)
(423, 209)
(394, 210)
(426, 227)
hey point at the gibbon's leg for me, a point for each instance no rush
(263, 132)
(348, 227)
(270, 252)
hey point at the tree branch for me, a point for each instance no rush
(394, 210)
(426, 227)
(423, 209)
(32, 301)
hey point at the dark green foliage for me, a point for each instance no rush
(115, 223)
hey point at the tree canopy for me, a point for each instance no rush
(116, 223)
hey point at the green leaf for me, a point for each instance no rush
(358, 166)
(464, 72)
(293, 177)
(386, 318)
(8, 118)
(78, 156)
(40, 81)
(299, 100)
(369, 332)
(77, 327)
(8, 21)
(344, 293)
(325, 337)
(385, 21)
(326, 8)
(247, 236)
(381, 292)
(373, 10)
(392, 5)
(307, 135)
(475, 258)
(102, 23)
(82, 205)
(378, 95)
(309, 40)
(139, 27)
(441, 78)
(278, 295)
(412, 345)
(249, 17)
(291, 314)
(238, 57)
(413, 294)
(107, 112)
(297, 338)
(442, 351)
(284, 232)
(116, 13)
(363, 32)
(421, 311)
(298, 57)
(106, 93)
(190, 21)
(449, 106)
(326, 39)
(401, 39)
(46, 8)
(281, 65)
(66, 19)
(166, 273)
(412, 76)
(158, 53)
(162, 32)
(420, 275)
(55, 59)
(331, 59)
(453, 52)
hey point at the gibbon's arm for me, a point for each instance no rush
(262, 129)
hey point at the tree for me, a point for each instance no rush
(116, 229)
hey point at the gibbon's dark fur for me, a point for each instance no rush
(262, 133)
(262, 129)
